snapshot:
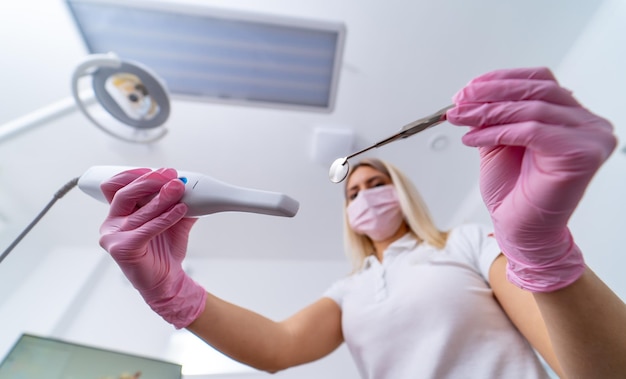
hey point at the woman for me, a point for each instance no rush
(420, 304)
(430, 290)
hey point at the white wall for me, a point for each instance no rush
(43, 296)
(80, 295)
(595, 69)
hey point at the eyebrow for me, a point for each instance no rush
(368, 181)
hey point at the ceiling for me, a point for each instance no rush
(402, 60)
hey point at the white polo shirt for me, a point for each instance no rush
(427, 313)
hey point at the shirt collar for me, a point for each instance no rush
(405, 243)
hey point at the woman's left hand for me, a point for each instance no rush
(539, 149)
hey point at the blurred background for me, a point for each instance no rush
(399, 61)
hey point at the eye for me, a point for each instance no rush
(378, 182)
(352, 195)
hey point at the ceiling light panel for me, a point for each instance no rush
(219, 55)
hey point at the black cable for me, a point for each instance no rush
(59, 194)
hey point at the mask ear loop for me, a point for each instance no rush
(102, 67)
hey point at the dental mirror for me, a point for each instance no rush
(340, 167)
(339, 170)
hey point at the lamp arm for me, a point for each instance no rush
(41, 116)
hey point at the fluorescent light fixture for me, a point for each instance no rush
(217, 55)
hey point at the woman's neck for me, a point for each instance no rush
(381, 246)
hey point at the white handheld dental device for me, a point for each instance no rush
(203, 194)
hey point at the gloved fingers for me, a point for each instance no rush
(128, 245)
(182, 230)
(530, 134)
(502, 178)
(510, 112)
(589, 145)
(159, 224)
(127, 199)
(535, 73)
(169, 195)
(117, 182)
(179, 237)
(515, 90)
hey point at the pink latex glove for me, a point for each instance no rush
(146, 234)
(539, 149)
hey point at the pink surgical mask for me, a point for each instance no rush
(376, 212)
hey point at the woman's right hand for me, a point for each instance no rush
(146, 233)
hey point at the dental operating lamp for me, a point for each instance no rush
(134, 99)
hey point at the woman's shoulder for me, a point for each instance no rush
(339, 288)
(470, 231)
(476, 243)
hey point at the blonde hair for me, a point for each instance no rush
(416, 214)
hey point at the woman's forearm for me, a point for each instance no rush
(265, 344)
(241, 334)
(587, 325)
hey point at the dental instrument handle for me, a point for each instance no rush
(203, 195)
(364, 150)
(425, 123)
(410, 129)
